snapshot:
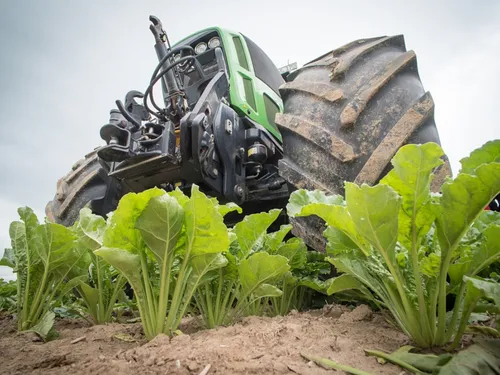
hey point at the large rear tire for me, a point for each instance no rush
(87, 184)
(345, 116)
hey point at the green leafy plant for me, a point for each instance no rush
(101, 284)
(42, 256)
(8, 291)
(307, 267)
(165, 244)
(397, 243)
(250, 275)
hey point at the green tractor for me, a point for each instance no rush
(231, 123)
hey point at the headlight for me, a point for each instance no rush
(200, 48)
(214, 42)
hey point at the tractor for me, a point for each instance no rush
(232, 123)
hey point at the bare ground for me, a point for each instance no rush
(256, 345)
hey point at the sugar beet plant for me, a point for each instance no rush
(398, 243)
(250, 274)
(101, 284)
(43, 257)
(165, 244)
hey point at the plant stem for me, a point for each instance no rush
(100, 291)
(456, 310)
(188, 298)
(440, 338)
(163, 302)
(464, 321)
(151, 308)
(433, 311)
(230, 296)
(422, 306)
(179, 287)
(325, 362)
(201, 305)
(36, 301)
(112, 301)
(43, 307)
(219, 296)
(210, 307)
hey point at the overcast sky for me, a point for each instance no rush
(64, 63)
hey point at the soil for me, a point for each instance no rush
(255, 345)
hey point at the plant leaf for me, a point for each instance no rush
(314, 284)
(127, 263)
(487, 289)
(261, 268)
(343, 232)
(272, 241)
(8, 258)
(182, 198)
(224, 209)
(480, 257)
(342, 283)
(301, 198)
(488, 153)
(203, 263)
(90, 229)
(295, 250)
(44, 325)
(160, 224)
(463, 199)
(73, 283)
(252, 230)
(430, 265)
(56, 247)
(482, 358)
(267, 290)
(374, 212)
(412, 174)
(205, 228)
(91, 297)
(121, 232)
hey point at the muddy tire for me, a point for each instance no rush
(87, 184)
(345, 116)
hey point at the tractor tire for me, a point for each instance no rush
(345, 116)
(87, 185)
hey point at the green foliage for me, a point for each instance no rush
(307, 268)
(165, 245)
(43, 257)
(397, 242)
(250, 276)
(101, 284)
(8, 292)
